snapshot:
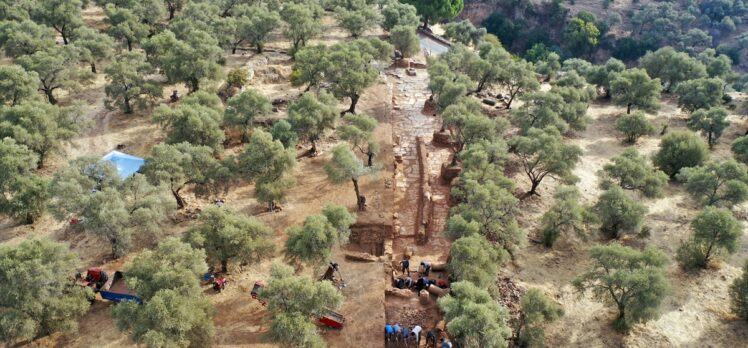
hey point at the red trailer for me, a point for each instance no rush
(332, 319)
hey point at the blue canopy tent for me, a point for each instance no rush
(126, 164)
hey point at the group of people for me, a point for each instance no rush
(423, 282)
(425, 268)
(402, 335)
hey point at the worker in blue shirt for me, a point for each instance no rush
(388, 332)
(405, 333)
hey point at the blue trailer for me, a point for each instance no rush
(116, 291)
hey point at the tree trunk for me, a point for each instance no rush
(511, 99)
(50, 96)
(93, 67)
(129, 45)
(352, 108)
(128, 108)
(425, 22)
(225, 266)
(178, 197)
(260, 47)
(313, 151)
(534, 188)
(628, 108)
(359, 200)
(520, 325)
(271, 206)
(42, 156)
(172, 10)
(370, 161)
(709, 140)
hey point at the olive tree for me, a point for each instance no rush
(125, 25)
(243, 108)
(536, 310)
(266, 162)
(345, 166)
(310, 64)
(632, 171)
(36, 297)
(540, 110)
(43, 128)
(292, 301)
(543, 153)
(619, 213)
(634, 126)
(358, 19)
(474, 318)
(174, 311)
(57, 68)
(631, 280)
(283, 132)
(717, 183)
(738, 293)
(397, 13)
(565, 216)
(710, 123)
(634, 88)
(715, 230)
(197, 121)
(405, 40)
(253, 24)
(183, 164)
(740, 149)
(188, 60)
(680, 150)
(576, 96)
(228, 236)
(93, 46)
(352, 69)
(311, 115)
(17, 84)
(703, 93)
(468, 125)
(312, 242)
(357, 130)
(301, 24)
(63, 15)
(23, 195)
(20, 38)
(488, 208)
(475, 260)
(603, 75)
(464, 32)
(672, 67)
(128, 82)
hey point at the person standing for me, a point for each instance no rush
(431, 338)
(405, 265)
(416, 333)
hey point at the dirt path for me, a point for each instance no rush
(410, 123)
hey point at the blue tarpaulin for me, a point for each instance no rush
(126, 164)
